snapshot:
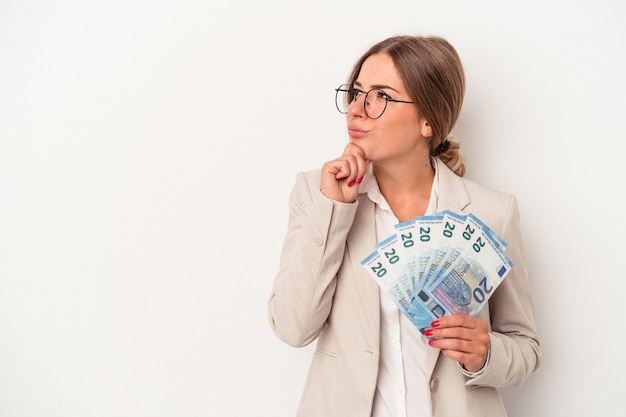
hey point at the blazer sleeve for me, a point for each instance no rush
(514, 349)
(312, 253)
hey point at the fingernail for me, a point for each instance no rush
(360, 180)
(429, 332)
(431, 343)
(435, 323)
(351, 183)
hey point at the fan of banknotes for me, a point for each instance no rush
(439, 265)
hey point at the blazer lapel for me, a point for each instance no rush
(452, 194)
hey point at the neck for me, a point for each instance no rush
(406, 187)
(406, 177)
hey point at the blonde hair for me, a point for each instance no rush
(433, 75)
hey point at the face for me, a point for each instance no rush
(400, 132)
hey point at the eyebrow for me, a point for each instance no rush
(377, 86)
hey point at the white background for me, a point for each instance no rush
(147, 150)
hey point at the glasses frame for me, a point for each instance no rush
(346, 88)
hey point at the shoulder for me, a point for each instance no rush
(307, 182)
(313, 176)
(496, 208)
(482, 192)
(305, 191)
(492, 206)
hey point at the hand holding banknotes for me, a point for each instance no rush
(462, 338)
(340, 175)
(440, 270)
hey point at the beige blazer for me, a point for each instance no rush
(323, 292)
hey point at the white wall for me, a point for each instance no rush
(147, 149)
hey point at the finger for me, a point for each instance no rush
(457, 345)
(352, 161)
(471, 362)
(338, 168)
(460, 327)
(361, 162)
(338, 178)
(352, 148)
(456, 320)
(461, 336)
(361, 169)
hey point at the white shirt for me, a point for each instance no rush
(402, 388)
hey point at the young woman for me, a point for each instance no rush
(401, 101)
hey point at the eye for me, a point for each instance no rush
(383, 95)
(354, 93)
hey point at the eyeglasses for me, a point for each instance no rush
(374, 104)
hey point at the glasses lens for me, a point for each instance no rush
(343, 98)
(375, 103)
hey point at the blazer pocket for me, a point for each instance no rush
(325, 354)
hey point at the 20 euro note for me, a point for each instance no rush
(405, 241)
(470, 281)
(473, 221)
(393, 260)
(426, 228)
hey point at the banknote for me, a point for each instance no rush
(447, 245)
(478, 224)
(427, 230)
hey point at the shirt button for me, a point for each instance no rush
(318, 240)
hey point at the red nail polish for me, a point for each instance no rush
(360, 180)
(429, 332)
(351, 183)
(431, 342)
(435, 323)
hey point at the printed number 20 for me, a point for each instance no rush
(379, 270)
(479, 293)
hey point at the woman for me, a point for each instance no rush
(403, 98)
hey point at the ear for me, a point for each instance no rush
(425, 129)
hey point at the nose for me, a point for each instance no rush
(356, 108)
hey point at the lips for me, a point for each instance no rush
(355, 132)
